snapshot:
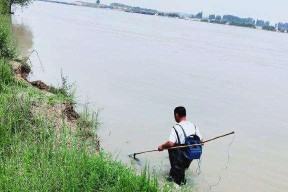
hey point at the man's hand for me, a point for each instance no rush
(160, 148)
(166, 145)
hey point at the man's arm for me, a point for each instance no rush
(166, 145)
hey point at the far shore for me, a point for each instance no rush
(144, 11)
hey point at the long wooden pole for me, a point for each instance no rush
(184, 146)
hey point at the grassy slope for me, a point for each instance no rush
(33, 158)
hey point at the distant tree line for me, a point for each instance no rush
(235, 19)
(197, 16)
(131, 9)
(269, 28)
(245, 22)
(225, 19)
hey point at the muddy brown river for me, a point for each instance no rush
(138, 68)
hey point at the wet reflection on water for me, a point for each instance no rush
(24, 38)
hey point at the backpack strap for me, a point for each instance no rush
(177, 135)
(183, 131)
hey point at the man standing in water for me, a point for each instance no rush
(179, 163)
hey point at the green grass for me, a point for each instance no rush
(36, 157)
(7, 48)
(6, 75)
(33, 157)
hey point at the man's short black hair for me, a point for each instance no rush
(181, 111)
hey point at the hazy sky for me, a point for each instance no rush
(272, 10)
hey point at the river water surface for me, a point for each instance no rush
(138, 68)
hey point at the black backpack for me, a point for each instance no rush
(192, 152)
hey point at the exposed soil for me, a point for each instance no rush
(57, 115)
(70, 112)
(40, 85)
(18, 71)
(22, 73)
(54, 115)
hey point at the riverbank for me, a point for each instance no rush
(45, 144)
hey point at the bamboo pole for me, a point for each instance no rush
(184, 146)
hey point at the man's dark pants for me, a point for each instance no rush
(179, 164)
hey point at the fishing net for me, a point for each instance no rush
(209, 186)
